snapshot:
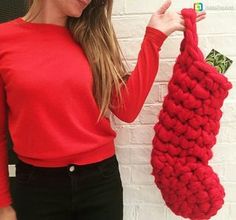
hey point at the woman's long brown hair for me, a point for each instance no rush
(95, 33)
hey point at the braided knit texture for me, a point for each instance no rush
(186, 131)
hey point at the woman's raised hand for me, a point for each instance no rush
(169, 22)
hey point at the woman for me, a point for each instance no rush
(61, 72)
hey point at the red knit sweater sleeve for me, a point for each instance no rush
(5, 197)
(142, 77)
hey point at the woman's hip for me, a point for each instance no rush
(67, 189)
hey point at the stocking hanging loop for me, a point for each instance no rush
(190, 33)
(189, 45)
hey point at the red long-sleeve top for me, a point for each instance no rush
(46, 98)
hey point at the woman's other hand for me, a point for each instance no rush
(169, 22)
(7, 213)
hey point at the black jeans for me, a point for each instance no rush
(74, 192)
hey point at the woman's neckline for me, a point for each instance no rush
(36, 25)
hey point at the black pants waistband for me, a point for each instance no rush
(22, 165)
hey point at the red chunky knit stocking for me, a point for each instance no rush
(188, 124)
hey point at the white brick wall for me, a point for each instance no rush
(142, 198)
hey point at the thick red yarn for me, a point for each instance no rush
(186, 131)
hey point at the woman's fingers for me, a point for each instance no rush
(201, 17)
(182, 22)
(181, 27)
(164, 7)
(201, 13)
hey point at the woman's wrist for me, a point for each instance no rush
(5, 209)
(155, 35)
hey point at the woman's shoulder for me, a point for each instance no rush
(7, 27)
(9, 31)
(7, 23)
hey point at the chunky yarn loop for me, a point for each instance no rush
(186, 131)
